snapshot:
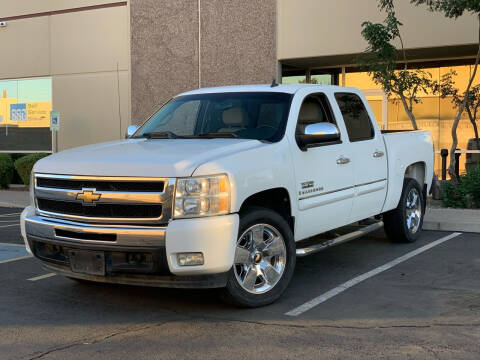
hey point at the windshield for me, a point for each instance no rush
(245, 115)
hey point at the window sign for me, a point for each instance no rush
(25, 106)
(18, 112)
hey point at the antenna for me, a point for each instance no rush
(274, 83)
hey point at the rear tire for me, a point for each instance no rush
(264, 259)
(404, 223)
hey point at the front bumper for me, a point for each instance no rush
(153, 248)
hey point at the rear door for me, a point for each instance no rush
(324, 174)
(368, 155)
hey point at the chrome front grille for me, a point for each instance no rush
(114, 200)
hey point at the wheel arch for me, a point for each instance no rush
(276, 199)
(416, 171)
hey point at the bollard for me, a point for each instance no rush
(444, 154)
(457, 163)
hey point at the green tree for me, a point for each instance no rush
(380, 60)
(453, 9)
(446, 88)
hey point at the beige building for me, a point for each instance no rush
(112, 63)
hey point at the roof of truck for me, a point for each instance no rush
(290, 88)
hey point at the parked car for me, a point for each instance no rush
(472, 160)
(220, 186)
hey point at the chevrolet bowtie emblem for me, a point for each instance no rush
(88, 196)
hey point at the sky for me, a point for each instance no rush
(28, 90)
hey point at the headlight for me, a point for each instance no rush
(32, 189)
(202, 196)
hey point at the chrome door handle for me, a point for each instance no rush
(343, 160)
(378, 154)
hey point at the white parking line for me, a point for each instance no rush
(8, 244)
(3, 226)
(347, 285)
(15, 259)
(11, 214)
(41, 277)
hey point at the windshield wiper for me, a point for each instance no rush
(161, 135)
(213, 135)
(171, 135)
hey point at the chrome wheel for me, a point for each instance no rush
(413, 210)
(260, 258)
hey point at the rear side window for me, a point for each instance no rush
(358, 123)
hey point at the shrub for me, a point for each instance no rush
(6, 170)
(16, 178)
(464, 194)
(471, 183)
(25, 164)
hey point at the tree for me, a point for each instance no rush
(446, 88)
(453, 9)
(380, 61)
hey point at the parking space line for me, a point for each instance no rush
(347, 285)
(15, 259)
(9, 244)
(3, 226)
(11, 214)
(41, 277)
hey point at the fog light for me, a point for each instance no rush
(190, 259)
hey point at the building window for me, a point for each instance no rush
(25, 107)
(297, 79)
(432, 113)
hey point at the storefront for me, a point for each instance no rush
(25, 106)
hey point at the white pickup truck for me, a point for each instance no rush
(224, 187)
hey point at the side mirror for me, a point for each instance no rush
(317, 134)
(131, 130)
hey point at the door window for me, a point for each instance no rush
(358, 123)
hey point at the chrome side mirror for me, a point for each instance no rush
(317, 134)
(131, 130)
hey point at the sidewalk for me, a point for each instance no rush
(448, 219)
(14, 198)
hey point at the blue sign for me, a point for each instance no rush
(54, 120)
(18, 112)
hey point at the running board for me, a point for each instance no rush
(312, 249)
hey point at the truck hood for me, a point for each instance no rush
(142, 157)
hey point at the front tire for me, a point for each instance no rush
(264, 259)
(404, 223)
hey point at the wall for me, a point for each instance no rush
(312, 28)
(80, 50)
(237, 41)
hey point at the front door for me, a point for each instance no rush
(324, 175)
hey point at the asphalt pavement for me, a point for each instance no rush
(424, 305)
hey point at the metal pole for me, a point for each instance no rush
(457, 163)
(444, 154)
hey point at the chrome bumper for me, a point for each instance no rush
(146, 239)
(126, 235)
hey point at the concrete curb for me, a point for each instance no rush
(450, 226)
(448, 219)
